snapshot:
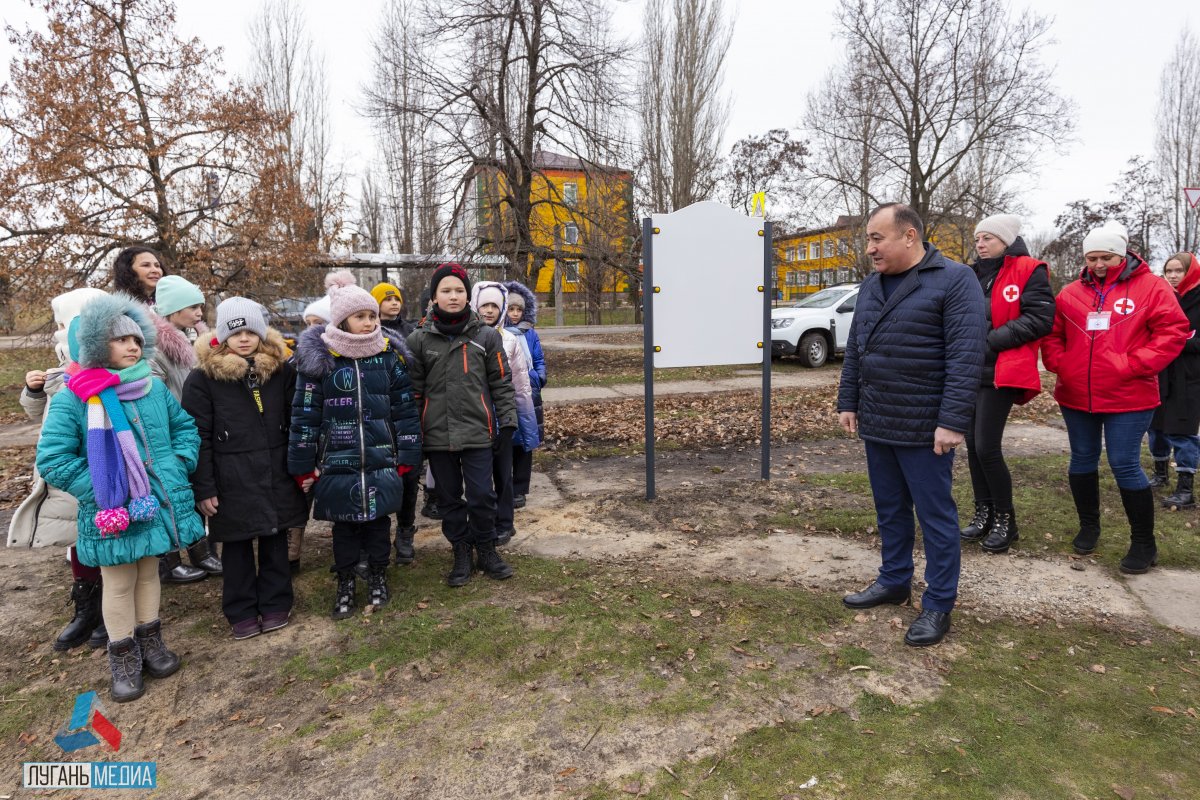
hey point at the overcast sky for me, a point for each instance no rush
(1108, 57)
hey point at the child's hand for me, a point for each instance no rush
(35, 379)
(305, 482)
(208, 506)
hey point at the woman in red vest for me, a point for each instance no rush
(1115, 329)
(1177, 421)
(1020, 311)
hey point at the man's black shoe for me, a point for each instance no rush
(877, 595)
(930, 627)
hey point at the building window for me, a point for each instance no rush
(829, 248)
(802, 279)
(843, 247)
(570, 271)
(570, 193)
(814, 250)
(802, 253)
(789, 278)
(570, 233)
(843, 275)
(829, 276)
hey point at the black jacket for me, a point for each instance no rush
(356, 420)
(1037, 309)
(1179, 383)
(913, 360)
(243, 452)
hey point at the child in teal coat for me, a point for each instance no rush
(118, 441)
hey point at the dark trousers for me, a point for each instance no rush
(252, 589)
(990, 478)
(901, 478)
(407, 516)
(373, 538)
(472, 520)
(522, 469)
(502, 478)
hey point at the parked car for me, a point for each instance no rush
(816, 327)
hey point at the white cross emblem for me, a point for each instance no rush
(1011, 293)
(1124, 306)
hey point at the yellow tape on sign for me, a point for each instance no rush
(758, 204)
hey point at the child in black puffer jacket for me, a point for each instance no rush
(355, 432)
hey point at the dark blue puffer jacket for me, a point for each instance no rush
(913, 361)
(355, 420)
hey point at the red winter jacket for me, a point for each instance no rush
(1114, 370)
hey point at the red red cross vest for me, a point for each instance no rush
(1016, 368)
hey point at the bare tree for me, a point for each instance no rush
(684, 108)
(292, 79)
(371, 215)
(947, 100)
(502, 81)
(119, 132)
(772, 163)
(1177, 142)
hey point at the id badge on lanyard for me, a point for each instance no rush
(1099, 320)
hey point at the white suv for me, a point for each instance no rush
(815, 327)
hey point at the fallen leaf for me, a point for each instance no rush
(1163, 710)
(567, 772)
(1123, 792)
(695, 612)
(1098, 669)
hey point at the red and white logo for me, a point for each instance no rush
(1011, 293)
(1124, 306)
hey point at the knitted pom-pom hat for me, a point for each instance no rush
(346, 297)
(445, 270)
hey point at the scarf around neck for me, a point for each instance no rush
(451, 324)
(116, 468)
(353, 345)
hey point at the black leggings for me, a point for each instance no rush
(990, 478)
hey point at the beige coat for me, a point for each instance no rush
(46, 518)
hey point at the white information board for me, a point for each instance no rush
(708, 263)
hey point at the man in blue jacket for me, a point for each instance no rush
(912, 368)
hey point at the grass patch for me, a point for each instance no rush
(1026, 720)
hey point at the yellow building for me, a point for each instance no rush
(589, 205)
(811, 260)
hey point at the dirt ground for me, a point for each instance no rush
(230, 725)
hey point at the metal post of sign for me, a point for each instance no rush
(768, 293)
(648, 346)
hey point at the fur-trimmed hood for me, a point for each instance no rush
(314, 359)
(222, 364)
(173, 343)
(91, 331)
(531, 303)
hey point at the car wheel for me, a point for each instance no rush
(813, 350)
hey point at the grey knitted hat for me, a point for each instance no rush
(240, 314)
(125, 326)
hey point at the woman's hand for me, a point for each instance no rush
(208, 506)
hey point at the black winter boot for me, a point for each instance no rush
(99, 637)
(1183, 492)
(343, 605)
(1003, 533)
(157, 660)
(460, 573)
(171, 569)
(1143, 552)
(377, 588)
(1085, 489)
(125, 663)
(204, 556)
(86, 597)
(405, 553)
(430, 508)
(981, 523)
(1159, 479)
(490, 562)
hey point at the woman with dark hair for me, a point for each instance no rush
(136, 272)
(1176, 422)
